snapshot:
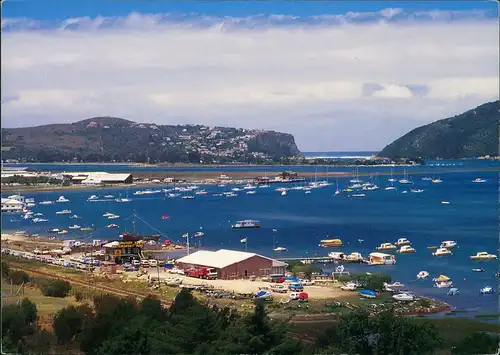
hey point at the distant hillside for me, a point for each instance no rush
(109, 139)
(470, 134)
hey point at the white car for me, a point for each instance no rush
(153, 262)
(279, 288)
(307, 282)
(349, 287)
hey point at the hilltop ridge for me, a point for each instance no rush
(114, 139)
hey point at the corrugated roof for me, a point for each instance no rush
(218, 259)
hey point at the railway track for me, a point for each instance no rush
(99, 287)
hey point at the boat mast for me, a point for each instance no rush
(133, 224)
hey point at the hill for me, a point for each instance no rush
(471, 134)
(111, 139)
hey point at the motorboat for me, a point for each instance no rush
(406, 249)
(121, 200)
(62, 199)
(329, 243)
(93, 197)
(483, 256)
(109, 196)
(46, 203)
(479, 180)
(64, 231)
(86, 229)
(394, 287)
(247, 223)
(387, 246)
(432, 247)
(441, 278)
(416, 191)
(249, 187)
(108, 214)
(112, 225)
(201, 192)
(64, 212)
(74, 226)
(198, 234)
(115, 216)
(75, 217)
(422, 275)
(54, 230)
(351, 286)
(442, 252)
(337, 256)
(426, 178)
(443, 284)
(448, 244)
(404, 297)
(381, 259)
(251, 192)
(390, 188)
(283, 193)
(368, 293)
(187, 197)
(453, 292)
(279, 249)
(358, 195)
(354, 257)
(478, 270)
(445, 202)
(39, 220)
(437, 181)
(402, 241)
(487, 290)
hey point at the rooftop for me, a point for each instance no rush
(218, 259)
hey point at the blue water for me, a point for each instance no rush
(302, 220)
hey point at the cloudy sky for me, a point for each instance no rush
(337, 76)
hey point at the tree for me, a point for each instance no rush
(18, 321)
(5, 270)
(55, 288)
(69, 322)
(18, 277)
(477, 343)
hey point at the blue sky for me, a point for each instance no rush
(339, 76)
(61, 9)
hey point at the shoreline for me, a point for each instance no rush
(211, 178)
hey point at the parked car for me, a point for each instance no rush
(295, 287)
(351, 286)
(307, 282)
(279, 288)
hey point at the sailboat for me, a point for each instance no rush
(337, 191)
(120, 199)
(355, 179)
(277, 249)
(391, 179)
(405, 180)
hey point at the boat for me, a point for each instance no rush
(109, 196)
(75, 217)
(121, 200)
(74, 226)
(483, 256)
(329, 243)
(64, 231)
(283, 193)
(54, 230)
(387, 246)
(381, 259)
(443, 284)
(390, 188)
(93, 197)
(487, 290)
(64, 212)
(368, 293)
(432, 247)
(266, 295)
(442, 252)
(108, 214)
(479, 180)
(416, 191)
(62, 199)
(404, 297)
(437, 181)
(422, 275)
(251, 192)
(39, 220)
(115, 216)
(441, 278)
(187, 197)
(445, 202)
(405, 179)
(426, 178)
(249, 187)
(201, 192)
(86, 229)
(448, 244)
(394, 287)
(337, 191)
(402, 241)
(279, 249)
(20, 232)
(247, 223)
(478, 270)
(354, 257)
(13, 205)
(46, 203)
(112, 225)
(453, 292)
(337, 256)
(198, 234)
(358, 195)
(406, 249)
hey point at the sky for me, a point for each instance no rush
(339, 76)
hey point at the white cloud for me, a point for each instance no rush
(332, 81)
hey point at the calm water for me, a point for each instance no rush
(302, 220)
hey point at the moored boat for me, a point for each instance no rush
(62, 199)
(487, 290)
(479, 180)
(64, 212)
(329, 243)
(406, 249)
(368, 293)
(74, 226)
(483, 256)
(422, 275)
(404, 297)
(387, 246)
(442, 252)
(247, 223)
(448, 244)
(381, 259)
(279, 249)
(402, 241)
(112, 225)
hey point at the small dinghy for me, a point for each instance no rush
(453, 292)
(478, 270)
(368, 293)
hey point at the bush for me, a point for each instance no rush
(477, 343)
(56, 288)
(69, 322)
(5, 269)
(18, 277)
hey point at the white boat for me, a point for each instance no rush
(404, 297)
(405, 179)
(249, 187)
(442, 252)
(112, 225)
(381, 259)
(198, 234)
(115, 216)
(75, 217)
(354, 257)
(279, 249)
(64, 212)
(396, 286)
(283, 193)
(388, 188)
(443, 284)
(402, 241)
(247, 223)
(62, 199)
(64, 231)
(46, 203)
(445, 202)
(437, 181)
(39, 220)
(12, 205)
(109, 196)
(187, 197)
(406, 249)
(230, 194)
(108, 214)
(479, 180)
(93, 197)
(427, 178)
(201, 192)
(251, 192)
(121, 200)
(337, 255)
(416, 191)
(75, 226)
(483, 256)
(387, 246)
(358, 195)
(487, 290)
(448, 244)
(265, 186)
(422, 275)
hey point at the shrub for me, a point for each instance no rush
(18, 277)
(56, 288)
(69, 322)
(5, 269)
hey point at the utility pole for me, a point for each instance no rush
(188, 244)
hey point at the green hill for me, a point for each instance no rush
(471, 134)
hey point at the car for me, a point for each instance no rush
(153, 262)
(136, 263)
(279, 288)
(307, 282)
(349, 287)
(295, 287)
(145, 263)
